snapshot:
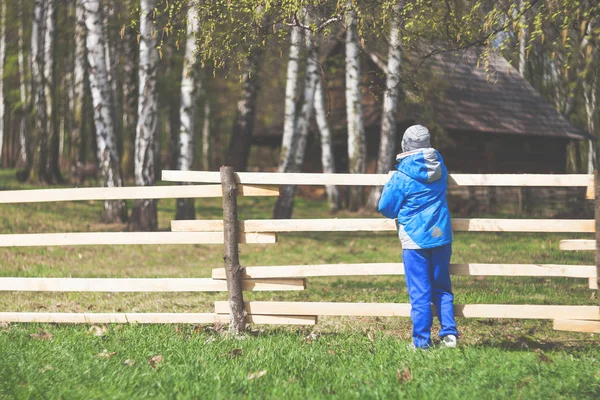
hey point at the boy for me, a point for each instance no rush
(416, 196)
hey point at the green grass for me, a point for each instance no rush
(350, 357)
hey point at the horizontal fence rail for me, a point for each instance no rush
(577, 244)
(276, 178)
(386, 225)
(379, 269)
(403, 310)
(129, 193)
(126, 238)
(143, 284)
(150, 318)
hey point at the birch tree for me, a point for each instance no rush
(130, 99)
(354, 112)
(387, 143)
(80, 100)
(291, 92)
(590, 90)
(108, 156)
(185, 207)
(37, 77)
(327, 157)
(52, 172)
(285, 201)
(23, 96)
(2, 57)
(206, 136)
(144, 216)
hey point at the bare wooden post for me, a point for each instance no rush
(597, 216)
(233, 270)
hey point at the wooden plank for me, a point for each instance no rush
(149, 318)
(274, 178)
(590, 193)
(577, 244)
(143, 284)
(386, 225)
(126, 238)
(593, 283)
(372, 269)
(403, 310)
(131, 192)
(573, 325)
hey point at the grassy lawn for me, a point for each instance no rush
(340, 357)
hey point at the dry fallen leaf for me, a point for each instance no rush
(46, 368)
(106, 354)
(41, 335)
(330, 352)
(129, 363)
(154, 361)
(542, 356)
(236, 352)
(404, 375)
(97, 330)
(256, 375)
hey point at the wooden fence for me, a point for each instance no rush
(292, 277)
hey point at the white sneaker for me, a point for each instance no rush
(449, 341)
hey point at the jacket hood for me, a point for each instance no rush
(423, 165)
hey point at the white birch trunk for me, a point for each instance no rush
(23, 134)
(185, 207)
(327, 158)
(108, 157)
(291, 92)
(206, 136)
(112, 63)
(79, 76)
(295, 154)
(522, 45)
(37, 76)
(52, 166)
(2, 57)
(589, 92)
(144, 215)
(354, 111)
(387, 144)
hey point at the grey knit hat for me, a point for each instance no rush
(416, 137)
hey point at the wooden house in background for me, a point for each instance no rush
(482, 121)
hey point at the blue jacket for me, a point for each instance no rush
(416, 195)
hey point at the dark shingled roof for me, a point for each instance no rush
(497, 101)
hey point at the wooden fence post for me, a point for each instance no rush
(597, 217)
(233, 270)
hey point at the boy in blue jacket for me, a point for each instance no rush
(416, 195)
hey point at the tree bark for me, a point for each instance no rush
(2, 57)
(185, 207)
(108, 156)
(112, 62)
(233, 270)
(522, 44)
(53, 162)
(130, 99)
(387, 143)
(206, 136)
(284, 205)
(327, 156)
(80, 100)
(24, 97)
(37, 76)
(291, 93)
(589, 92)
(144, 216)
(357, 148)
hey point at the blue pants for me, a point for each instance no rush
(428, 281)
